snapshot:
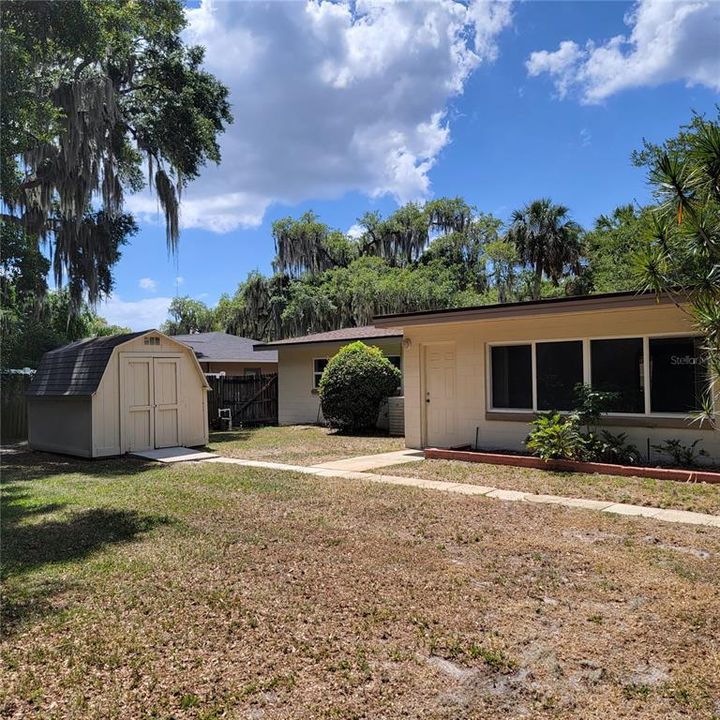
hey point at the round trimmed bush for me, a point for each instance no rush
(353, 386)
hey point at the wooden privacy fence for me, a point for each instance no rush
(251, 400)
(13, 406)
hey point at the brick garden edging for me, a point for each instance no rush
(528, 461)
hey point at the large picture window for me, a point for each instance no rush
(678, 375)
(656, 374)
(559, 370)
(617, 368)
(512, 377)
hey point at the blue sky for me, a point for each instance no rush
(344, 109)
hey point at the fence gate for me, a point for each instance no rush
(251, 400)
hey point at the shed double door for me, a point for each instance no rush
(151, 399)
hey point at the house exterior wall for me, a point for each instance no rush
(60, 424)
(238, 368)
(471, 339)
(298, 402)
(106, 403)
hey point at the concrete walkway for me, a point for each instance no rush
(373, 462)
(672, 516)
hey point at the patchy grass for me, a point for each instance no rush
(211, 591)
(698, 497)
(299, 444)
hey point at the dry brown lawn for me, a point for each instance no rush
(698, 497)
(207, 591)
(299, 444)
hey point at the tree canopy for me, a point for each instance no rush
(99, 99)
(682, 257)
(443, 254)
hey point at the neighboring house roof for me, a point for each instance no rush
(77, 368)
(367, 332)
(576, 303)
(222, 347)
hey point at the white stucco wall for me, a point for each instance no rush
(471, 340)
(298, 402)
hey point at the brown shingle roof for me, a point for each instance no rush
(368, 332)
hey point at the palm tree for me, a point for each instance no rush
(547, 240)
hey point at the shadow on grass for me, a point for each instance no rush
(36, 545)
(31, 465)
(223, 436)
(31, 546)
(31, 543)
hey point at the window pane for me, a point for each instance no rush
(512, 377)
(617, 367)
(318, 368)
(678, 374)
(395, 360)
(559, 370)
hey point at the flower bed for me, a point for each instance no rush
(528, 461)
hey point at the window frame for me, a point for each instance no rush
(317, 375)
(587, 371)
(399, 363)
(533, 376)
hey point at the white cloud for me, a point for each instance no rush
(135, 314)
(147, 284)
(669, 41)
(355, 231)
(179, 280)
(331, 97)
(585, 137)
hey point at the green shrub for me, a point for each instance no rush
(615, 448)
(353, 386)
(680, 453)
(576, 436)
(554, 437)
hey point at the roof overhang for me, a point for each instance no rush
(249, 361)
(338, 341)
(550, 306)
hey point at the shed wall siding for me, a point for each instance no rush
(60, 424)
(471, 339)
(297, 403)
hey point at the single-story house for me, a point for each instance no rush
(301, 361)
(219, 352)
(122, 393)
(477, 376)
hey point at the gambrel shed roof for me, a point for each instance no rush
(77, 368)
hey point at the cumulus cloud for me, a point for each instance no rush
(331, 97)
(355, 231)
(135, 314)
(669, 41)
(147, 284)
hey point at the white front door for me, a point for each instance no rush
(439, 399)
(138, 396)
(150, 398)
(167, 404)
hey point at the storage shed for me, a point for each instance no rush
(112, 395)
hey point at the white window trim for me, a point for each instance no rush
(587, 371)
(317, 374)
